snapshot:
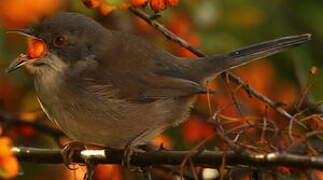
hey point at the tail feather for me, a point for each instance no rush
(209, 67)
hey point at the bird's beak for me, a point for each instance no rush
(28, 32)
(22, 59)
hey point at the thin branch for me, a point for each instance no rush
(204, 159)
(264, 129)
(171, 36)
(221, 133)
(290, 130)
(232, 93)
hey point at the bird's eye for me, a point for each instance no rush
(60, 40)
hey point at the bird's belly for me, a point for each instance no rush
(118, 122)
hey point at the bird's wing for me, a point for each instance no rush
(147, 83)
(140, 70)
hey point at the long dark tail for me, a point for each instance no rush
(208, 67)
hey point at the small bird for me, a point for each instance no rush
(113, 89)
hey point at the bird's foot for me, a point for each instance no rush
(131, 149)
(90, 166)
(68, 152)
(126, 160)
(127, 157)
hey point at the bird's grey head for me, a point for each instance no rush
(61, 40)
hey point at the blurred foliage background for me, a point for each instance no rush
(215, 26)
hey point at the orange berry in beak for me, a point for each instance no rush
(36, 48)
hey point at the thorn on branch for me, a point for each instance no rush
(280, 104)
(155, 16)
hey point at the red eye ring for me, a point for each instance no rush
(60, 40)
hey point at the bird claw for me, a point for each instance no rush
(126, 160)
(90, 170)
(68, 152)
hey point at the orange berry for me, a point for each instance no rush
(158, 5)
(138, 3)
(36, 48)
(5, 147)
(9, 167)
(313, 70)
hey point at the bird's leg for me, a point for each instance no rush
(148, 173)
(131, 149)
(126, 161)
(90, 166)
(68, 152)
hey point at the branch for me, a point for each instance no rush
(234, 78)
(204, 159)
